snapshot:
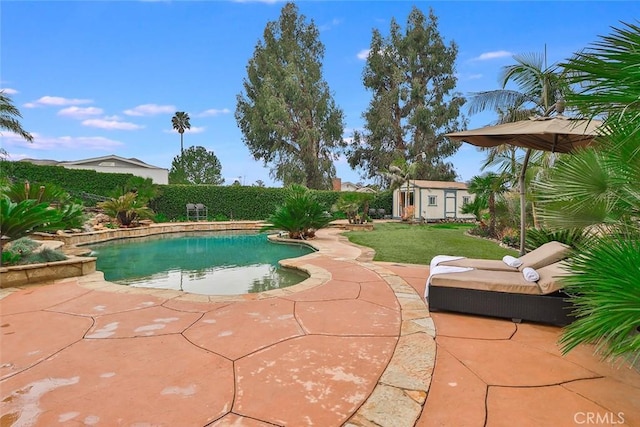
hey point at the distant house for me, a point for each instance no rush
(432, 200)
(112, 164)
(338, 185)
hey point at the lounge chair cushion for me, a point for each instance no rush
(487, 280)
(551, 277)
(505, 281)
(546, 254)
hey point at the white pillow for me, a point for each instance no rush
(530, 275)
(512, 261)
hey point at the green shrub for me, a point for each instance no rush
(43, 256)
(23, 245)
(28, 216)
(160, 217)
(10, 258)
(126, 209)
(300, 215)
(25, 251)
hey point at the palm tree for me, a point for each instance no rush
(487, 187)
(598, 187)
(9, 116)
(541, 91)
(180, 122)
(400, 173)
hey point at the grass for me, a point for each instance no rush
(417, 244)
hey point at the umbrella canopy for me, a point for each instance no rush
(558, 134)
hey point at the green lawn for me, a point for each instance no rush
(417, 244)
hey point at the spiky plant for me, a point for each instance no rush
(300, 215)
(126, 209)
(598, 187)
(71, 213)
(574, 237)
(25, 217)
(606, 293)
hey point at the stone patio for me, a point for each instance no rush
(353, 345)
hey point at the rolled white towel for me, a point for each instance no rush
(512, 261)
(530, 275)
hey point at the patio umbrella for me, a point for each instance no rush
(558, 134)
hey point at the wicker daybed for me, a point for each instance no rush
(505, 294)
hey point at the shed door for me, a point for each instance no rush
(450, 204)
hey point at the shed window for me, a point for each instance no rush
(466, 200)
(433, 200)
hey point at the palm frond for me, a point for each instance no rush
(608, 75)
(606, 293)
(500, 99)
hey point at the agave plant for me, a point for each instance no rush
(300, 215)
(126, 209)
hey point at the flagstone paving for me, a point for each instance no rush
(492, 372)
(354, 345)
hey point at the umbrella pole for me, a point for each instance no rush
(523, 201)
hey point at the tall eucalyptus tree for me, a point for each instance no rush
(412, 78)
(286, 112)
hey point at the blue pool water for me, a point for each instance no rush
(213, 263)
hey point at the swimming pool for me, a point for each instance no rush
(207, 263)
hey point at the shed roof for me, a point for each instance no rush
(439, 184)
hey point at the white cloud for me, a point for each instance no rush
(193, 129)
(467, 77)
(150, 110)
(56, 101)
(363, 54)
(8, 91)
(41, 142)
(493, 55)
(79, 112)
(214, 112)
(329, 25)
(111, 124)
(196, 129)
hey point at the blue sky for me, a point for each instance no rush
(94, 78)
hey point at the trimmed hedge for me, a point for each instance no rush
(74, 181)
(223, 202)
